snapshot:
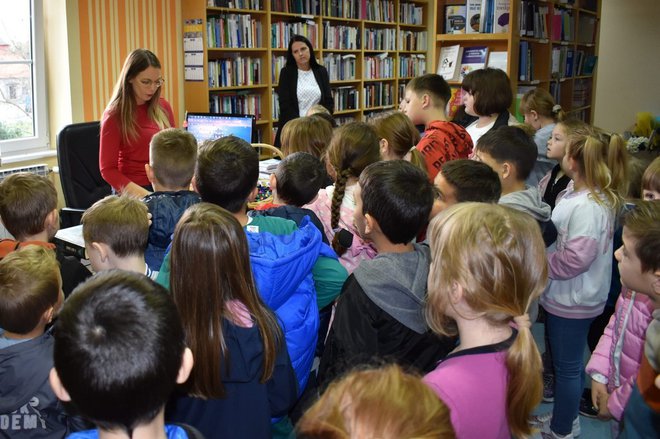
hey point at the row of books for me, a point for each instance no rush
(340, 67)
(346, 98)
(234, 72)
(533, 21)
(340, 37)
(308, 7)
(412, 65)
(255, 5)
(342, 8)
(411, 13)
(410, 40)
(380, 10)
(455, 62)
(236, 104)
(378, 94)
(477, 16)
(379, 39)
(233, 31)
(281, 32)
(374, 10)
(380, 66)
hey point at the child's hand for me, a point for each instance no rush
(598, 392)
(603, 412)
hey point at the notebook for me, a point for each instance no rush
(212, 126)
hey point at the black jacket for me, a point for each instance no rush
(288, 97)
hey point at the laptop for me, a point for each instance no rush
(212, 126)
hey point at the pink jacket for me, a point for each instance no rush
(619, 352)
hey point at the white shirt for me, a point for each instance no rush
(308, 91)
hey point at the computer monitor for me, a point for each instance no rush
(212, 126)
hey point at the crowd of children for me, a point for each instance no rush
(387, 290)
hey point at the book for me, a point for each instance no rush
(473, 18)
(474, 58)
(455, 19)
(589, 65)
(498, 60)
(501, 16)
(449, 62)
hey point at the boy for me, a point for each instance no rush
(28, 208)
(639, 266)
(172, 157)
(115, 230)
(511, 153)
(30, 296)
(426, 98)
(465, 180)
(380, 311)
(296, 182)
(119, 352)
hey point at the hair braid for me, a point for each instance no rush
(335, 209)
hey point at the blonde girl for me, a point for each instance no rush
(651, 181)
(306, 134)
(541, 113)
(580, 266)
(398, 137)
(353, 147)
(488, 267)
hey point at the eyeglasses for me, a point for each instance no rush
(148, 82)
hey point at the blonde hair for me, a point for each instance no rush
(401, 136)
(382, 403)
(651, 177)
(541, 101)
(306, 134)
(602, 161)
(497, 255)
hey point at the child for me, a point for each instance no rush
(512, 153)
(541, 113)
(382, 403)
(242, 375)
(172, 157)
(487, 97)
(296, 182)
(398, 137)
(306, 134)
(30, 296)
(379, 314)
(28, 208)
(119, 351)
(651, 181)
(488, 265)
(639, 265)
(115, 230)
(426, 98)
(353, 147)
(580, 266)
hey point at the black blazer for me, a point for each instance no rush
(288, 98)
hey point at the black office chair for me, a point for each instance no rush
(78, 160)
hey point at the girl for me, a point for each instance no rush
(580, 266)
(487, 99)
(651, 181)
(242, 375)
(398, 137)
(353, 147)
(488, 265)
(306, 134)
(541, 113)
(135, 113)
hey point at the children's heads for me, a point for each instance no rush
(227, 172)
(115, 227)
(119, 350)
(426, 98)
(539, 108)
(398, 137)
(510, 152)
(306, 134)
(382, 403)
(298, 178)
(394, 198)
(28, 205)
(639, 256)
(172, 158)
(651, 181)
(488, 92)
(30, 289)
(467, 180)
(488, 262)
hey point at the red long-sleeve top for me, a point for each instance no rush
(120, 162)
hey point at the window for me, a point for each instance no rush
(23, 121)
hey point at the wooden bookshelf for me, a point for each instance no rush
(574, 90)
(402, 33)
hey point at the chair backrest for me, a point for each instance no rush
(78, 160)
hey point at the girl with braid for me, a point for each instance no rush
(353, 147)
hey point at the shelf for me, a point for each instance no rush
(472, 37)
(412, 26)
(293, 15)
(379, 23)
(576, 109)
(584, 77)
(350, 20)
(236, 49)
(238, 87)
(340, 112)
(345, 82)
(384, 107)
(214, 9)
(378, 79)
(535, 40)
(412, 52)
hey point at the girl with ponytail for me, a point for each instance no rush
(353, 147)
(488, 265)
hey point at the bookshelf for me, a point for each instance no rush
(550, 44)
(371, 48)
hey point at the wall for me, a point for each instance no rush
(628, 63)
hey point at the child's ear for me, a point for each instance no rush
(150, 172)
(253, 194)
(384, 147)
(507, 170)
(272, 182)
(58, 388)
(193, 184)
(102, 249)
(48, 315)
(187, 363)
(456, 293)
(52, 220)
(426, 100)
(534, 114)
(370, 224)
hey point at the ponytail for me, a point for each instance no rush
(335, 209)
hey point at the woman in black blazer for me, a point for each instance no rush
(296, 90)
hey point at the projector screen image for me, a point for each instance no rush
(208, 126)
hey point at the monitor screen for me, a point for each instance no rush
(211, 126)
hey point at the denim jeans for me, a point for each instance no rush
(568, 340)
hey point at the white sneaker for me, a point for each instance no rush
(542, 422)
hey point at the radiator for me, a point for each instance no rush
(40, 169)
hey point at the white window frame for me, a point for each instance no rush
(33, 147)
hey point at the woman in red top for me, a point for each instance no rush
(135, 113)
